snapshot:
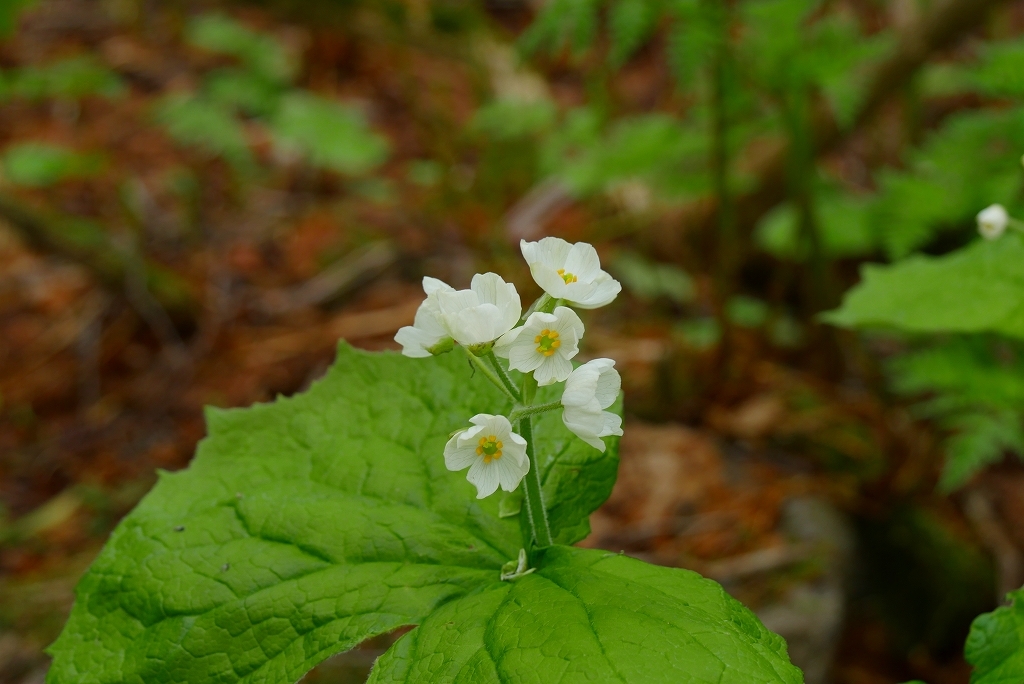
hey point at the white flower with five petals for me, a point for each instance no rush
(570, 271)
(481, 314)
(544, 345)
(992, 222)
(427, 331)
(589, 390)
(494, 454)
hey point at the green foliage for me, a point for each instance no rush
(976, 393)
(10, 10)
(563, 23)
(630, 25)
(243, 91)
(650, 281)
(977, 289)
(328, 134)
(38, 165)
(72, 78)
(513, 119)
(260, 54)
(591, 616)
(844, 225)
(651, 148)
(746, 312)
(206, 125)
(308, 525)
(995, 646)
(971, 162)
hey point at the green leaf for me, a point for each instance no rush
(981, 439)
(72, 78)
(630, 24)
(206, 125)
(38, 165)
(976, 289)
(305, 526)
(561, 23)
(261, 54)
(512, 119)
(995, 646)
(591, 616)
(328, 134)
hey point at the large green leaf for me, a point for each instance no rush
(305, 526)
(591, 616)
(977, 289)
(995, 646)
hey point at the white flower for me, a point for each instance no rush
(483, 313)
(992, 222)
(493, 453)
(590, 389)
(570, 271)
(544, 345)
(427, 330)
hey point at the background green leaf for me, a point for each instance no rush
(977, 289)
(591, 616)
(995, 646)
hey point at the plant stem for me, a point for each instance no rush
(535, 511)
(489, 374)
(534, 498)
(527, 411)
(503, 376)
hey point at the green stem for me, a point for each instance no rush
(534, 498)
(503, 376)
(489, 374)
(527, 411)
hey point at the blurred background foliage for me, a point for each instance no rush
(822, 360)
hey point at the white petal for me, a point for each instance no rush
(432, 285)
(458, 457)
(609, 384)
(524, 356)
(475, 325)
(581, 386)
(586, 425)
(510, 472)
(579, 291)
(484, 476)
(555, 368)
(606, 289)
(515, 447)
(450, 303)
(612, 424)
(506, 341)
(549, 280)
(583, 262)
(551, 251)
(415, 341)
(568, 323)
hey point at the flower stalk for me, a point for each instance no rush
(536, 512)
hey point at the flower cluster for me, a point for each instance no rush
(487, 321)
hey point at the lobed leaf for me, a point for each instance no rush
(977, 289)
(305, 526)
(591, 616)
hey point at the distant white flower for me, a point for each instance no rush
(493, 453)
(483, 313)
(570, 271)
(992, 222)
(543, 345)
(590, 389)
(427, 331)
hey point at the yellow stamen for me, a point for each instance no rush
(567, 277)
(490, 448)
(547, 342)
